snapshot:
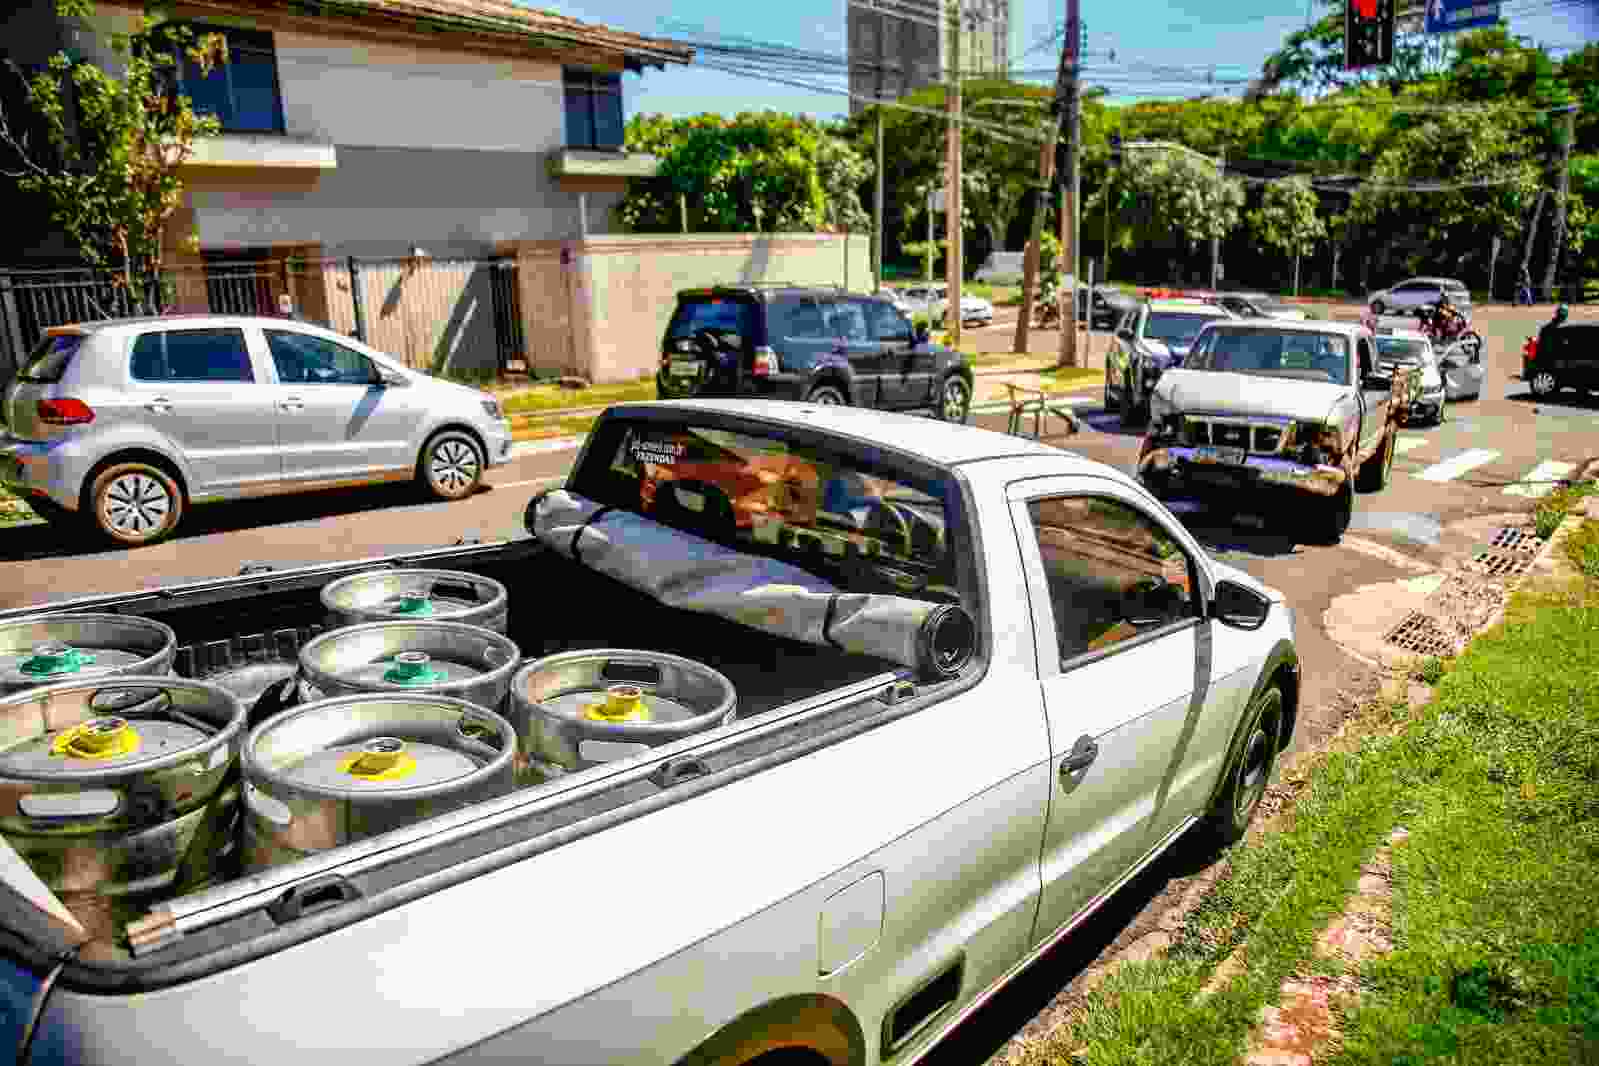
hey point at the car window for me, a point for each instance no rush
(304, 359)
(50, 359)
(849, 320)
(888, 324)
(862, 528)
(1401, 350)
(1298, 354)
(1113, 572)
(719, 314)
(801, 319)
(192, 355)
(1177, 328)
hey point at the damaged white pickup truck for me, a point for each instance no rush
(1294, 410)
(819, 725)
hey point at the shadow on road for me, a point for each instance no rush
(40, 541)
(1577, 401)
(994, 1024)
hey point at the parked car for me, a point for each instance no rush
(1411, 349)
(1002, 268)
(1109, 305)
(975, 310)
(126, 423)
(819, 345)
(1151, 339)
(1567, 357)
(1258, 305)
(1296, 414)
(909, 774)
(1412, 295)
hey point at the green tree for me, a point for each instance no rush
(115, 145)
(842, 171)
(1168, 202)
(1287, 220)
(755, 172)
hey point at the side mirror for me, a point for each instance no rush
(922, 333)
(1239, 607)
(389, 379)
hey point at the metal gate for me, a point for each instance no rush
(508, 314)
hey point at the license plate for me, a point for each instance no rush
(685, 368)
(1219, 454)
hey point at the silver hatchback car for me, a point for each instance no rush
(126, 422)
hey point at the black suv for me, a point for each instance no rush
(1565, 357)
(825, 346)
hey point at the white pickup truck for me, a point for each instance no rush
(981, 683)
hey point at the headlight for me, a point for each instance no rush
(492, 408)
(1317, 442)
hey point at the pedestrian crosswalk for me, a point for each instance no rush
(1458, 464)
(1451, 464)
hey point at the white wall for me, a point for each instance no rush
(378, 95)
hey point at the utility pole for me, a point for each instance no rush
(1068, 192)
(1562, 191)
(1215, 242)
(952, 198)
(877, 208)
(1031, 262)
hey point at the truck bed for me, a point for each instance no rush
(554, 605)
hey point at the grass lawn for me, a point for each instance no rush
(1496, 948)
(532, 398)
(547, 428)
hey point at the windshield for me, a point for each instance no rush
(50, 359)
(1174, 328)
(1266, 352)
(1401, 350)
(859, 527)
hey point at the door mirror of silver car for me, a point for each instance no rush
(390, 379)
(1238, 606)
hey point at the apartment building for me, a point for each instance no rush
(897, 47)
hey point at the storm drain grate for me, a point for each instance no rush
(1516, 540)
(1421, 634)
(1499, 564)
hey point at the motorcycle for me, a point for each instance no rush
(1446, 330)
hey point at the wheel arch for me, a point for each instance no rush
(456, 427)
(1281, 668)
(834, 376)
(132, 454)
(819, 1024)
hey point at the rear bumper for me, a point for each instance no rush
(1178, 467)
(497, 438)
(50, 469)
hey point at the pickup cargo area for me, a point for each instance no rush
(235, 632)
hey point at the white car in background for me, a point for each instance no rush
(1411, 295)
(933, 301)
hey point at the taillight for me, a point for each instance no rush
(65, 412)
(764, 364)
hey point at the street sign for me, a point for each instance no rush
(1451, 16)
(1368, 33)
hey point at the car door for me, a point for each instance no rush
(1579, 356)
(908, 369)
(1374, 400)
(865, 352)
(202, 389)
(1118, 651)
(336, 419)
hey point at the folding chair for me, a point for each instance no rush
(1026, 401)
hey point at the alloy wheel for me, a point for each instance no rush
(1543, 383)
(954, 401)
(454, 467)
(135, 505)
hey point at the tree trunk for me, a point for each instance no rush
(1531, 235)
(1296, 273)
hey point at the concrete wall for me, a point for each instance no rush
(384, 201)
(623, 288)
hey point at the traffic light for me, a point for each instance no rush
(1115, 149)
(1368, 33)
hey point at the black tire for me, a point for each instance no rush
(1374, 473)
(1544, 383)
(1251, 770)
(451, 465)
(954, 401)
(827, 396)
(1327, 517)
(133, 504)
(1128, 411)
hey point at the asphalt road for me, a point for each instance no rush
(1495, 454)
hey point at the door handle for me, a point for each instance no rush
(293, 403)
(160, 405)
(1074, 767)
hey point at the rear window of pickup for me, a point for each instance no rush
(862, 527)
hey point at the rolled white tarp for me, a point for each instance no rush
(688, 572)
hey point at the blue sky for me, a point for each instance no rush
(1234, 35)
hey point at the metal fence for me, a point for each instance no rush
(439, 315)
